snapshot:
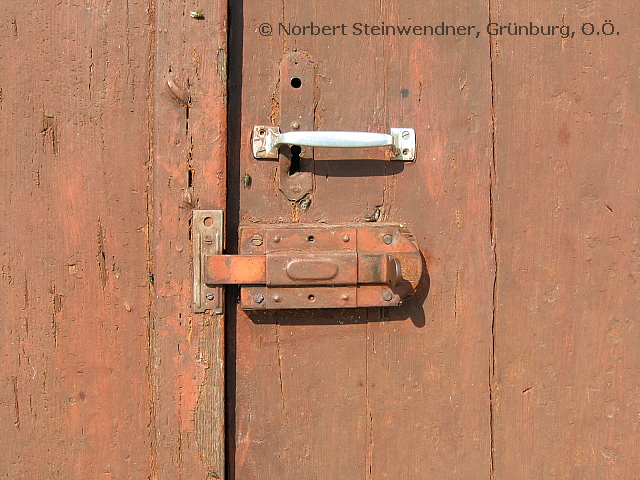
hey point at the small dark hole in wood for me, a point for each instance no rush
(296, 82)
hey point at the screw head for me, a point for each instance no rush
(277, 298)
(387, 239)
(209, 296)
(346, 238)
(258, 297)
(406, 135)
(345, 297)
(305, 204)
(277, 239)
(295, 125)
(256, 240)
(387, 295)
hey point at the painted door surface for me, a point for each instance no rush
(383, 392)
(516, 358)
(112, 128)
(521, 359)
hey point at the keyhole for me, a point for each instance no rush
(295, 160)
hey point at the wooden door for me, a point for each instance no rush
(516, 358)
(383, 392)
(112, 130)
(520, 359)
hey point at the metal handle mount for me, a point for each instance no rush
(266, 141)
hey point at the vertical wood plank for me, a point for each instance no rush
(402, 393)
(428, 361)
(189, 172)
(74, 289)
(567, 361)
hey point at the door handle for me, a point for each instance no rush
(401, 141)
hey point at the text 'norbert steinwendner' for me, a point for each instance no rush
(439, 29)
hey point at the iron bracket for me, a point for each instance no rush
(207, 234)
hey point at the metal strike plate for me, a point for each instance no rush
(306, 266)
(207, 227)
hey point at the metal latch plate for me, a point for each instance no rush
(316, 266)
(207, 237)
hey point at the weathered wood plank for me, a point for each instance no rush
(375, 394)
(74, 389)
(189, 168)
(567, 361)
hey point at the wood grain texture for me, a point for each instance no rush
(374, 393)
(189, 165)
(74, 388)
(567, 361)
(101, 168)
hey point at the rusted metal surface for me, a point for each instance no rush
(208, 240)
(310, 238)
(312, 268)
(378, 268)
(288, 257)
(297, 107)
(235, 269)
(300, 297)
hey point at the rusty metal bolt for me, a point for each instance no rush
(179, 93)
(305, 204)
(295, 125)
(257, 240)
(277, 239)
(246, 180)
(277, 298)
(346, 238)
(387, 295)
(345, 297)
(210, 296)
(258, 297)
(387, 239)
